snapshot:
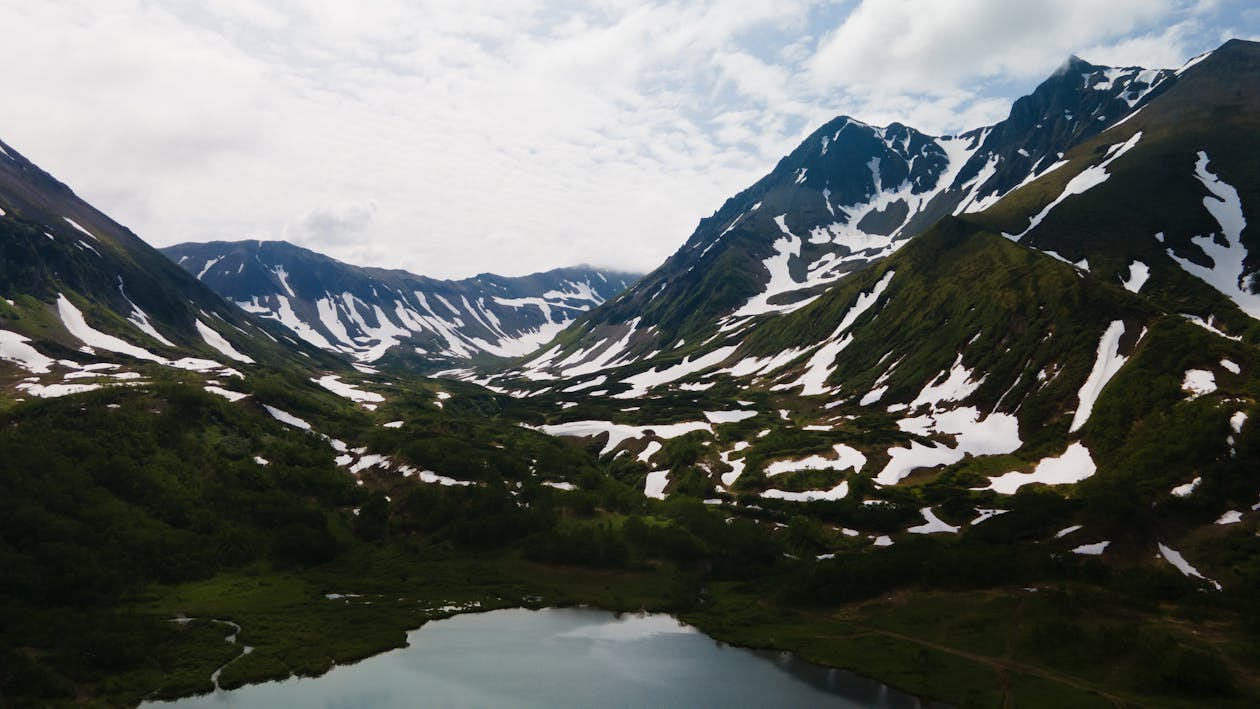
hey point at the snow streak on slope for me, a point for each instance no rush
(1175, 558)
(819, 367)
(72, 318)
(1107, 363)
(642, 382)
(781, 282)
(1084, 181)
(1227, 273)
(141, 319)
(215, 340)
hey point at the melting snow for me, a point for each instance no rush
(656, 483)
(1138, 275)
(1228, 272)
(430, 477)
(287, 418)
(206, 269)
(13, 348)
(821, 364)
(1230, 517)
(1066, 531)
(934, 524)
(52, 391)
(141, 319)
(72, 318)
(1198, 382)
(217, 341)
(836, 493)
(737, 466)
(225, 393)
(333, 383)
(1106, 365)
(982, 515)
(955, 384)
(728, 416)
(1210, 326)
(1074, 465)
(640, 383)
(76, 225)
(1086, 180)
(873, 396)
(1175, 558)
(619, 433)
(652, 448)
(845, 457)
(1186, 489)
(997, 434)
(1091, 549)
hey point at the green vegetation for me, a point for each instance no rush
(105, 544)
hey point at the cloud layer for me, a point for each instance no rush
(510, 137)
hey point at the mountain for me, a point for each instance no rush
(80, 291)
(378, 315)
(849, 195)
(1089, 326)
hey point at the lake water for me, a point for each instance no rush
(565, 657)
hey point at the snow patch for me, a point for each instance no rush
(1175, 558)
(217, 341)
(1107, 363)
(934, 524)
(996, 434)
(1198, 382)
(333, 383)
(1228, 272)
(1074, 465)
(1084, 181)
(1138, 275)
(287, 418)
(14, 348)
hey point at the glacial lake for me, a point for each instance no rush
(565, 657)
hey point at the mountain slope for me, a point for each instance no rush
(1162, 203)
(849, 195)
(974, 360)
(368, 312)
(79, 290)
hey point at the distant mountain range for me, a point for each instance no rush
(378, 315)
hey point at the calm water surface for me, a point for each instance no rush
(565, 657)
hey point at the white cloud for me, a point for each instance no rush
(451, 139)
(922, 45)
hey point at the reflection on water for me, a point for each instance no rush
(566, 657)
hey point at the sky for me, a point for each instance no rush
(457, 137)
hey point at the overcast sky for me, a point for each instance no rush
(455, 137)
